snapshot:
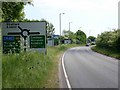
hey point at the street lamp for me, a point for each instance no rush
(69, 25)
(60, 21)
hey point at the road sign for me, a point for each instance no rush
(37, 41)
(32, 35)
(11, 44)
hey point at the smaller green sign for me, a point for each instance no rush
(37, 41)
(11, 44)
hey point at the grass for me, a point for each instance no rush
(24, 70)
(0, 62)
(109, 52)
(32, 69)
(0, 70)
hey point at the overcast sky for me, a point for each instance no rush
(93, 16)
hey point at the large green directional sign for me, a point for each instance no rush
(37, 41)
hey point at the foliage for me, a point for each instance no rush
(117, 42)
(91, 38)
(13, 11)
(32, 69)
(106, 51)
(50, 27)
(80, 37)
(62, 39)
(109, 39)
(69, 34)
(56, 41)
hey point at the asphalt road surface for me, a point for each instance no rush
(88, 69)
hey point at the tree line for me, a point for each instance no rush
(109, 39)
(79, 37)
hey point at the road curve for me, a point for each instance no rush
(88, 69)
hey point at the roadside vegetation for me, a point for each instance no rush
(108, 43)
(32, 69)
(0, 61)
(79, 37)
(106, 51)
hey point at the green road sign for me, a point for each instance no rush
(11, 44)
(37, 41)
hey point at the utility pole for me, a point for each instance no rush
(69, 25)
(60, 21)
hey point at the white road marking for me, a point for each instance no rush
(65, 73)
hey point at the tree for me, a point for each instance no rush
(50, 27)
(13, 11)
(117, 41)
(80, 37)
(109, 39)
(70, 35)
(91, 38)
(61, 38)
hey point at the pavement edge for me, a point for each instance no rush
(65, 73)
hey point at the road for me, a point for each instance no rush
(88, 69)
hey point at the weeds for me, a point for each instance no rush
(32, 69)
(107, 51)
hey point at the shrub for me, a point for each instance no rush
(109, 39)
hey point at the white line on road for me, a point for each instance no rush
(65, 74)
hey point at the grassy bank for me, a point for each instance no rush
(0, 70)
(109, 52)
(0, 61)
(32, 69)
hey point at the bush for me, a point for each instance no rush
(109, 39)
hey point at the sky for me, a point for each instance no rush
(90, 16)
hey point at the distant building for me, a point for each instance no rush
(50, 41)
(67, 41)
(56, 36)
(53, 40)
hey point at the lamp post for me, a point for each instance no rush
(69, 25)
(60, 21)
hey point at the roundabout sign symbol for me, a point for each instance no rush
(24, 33)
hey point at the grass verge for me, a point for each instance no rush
(109, 52)
(0, 69)
(32, 69)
